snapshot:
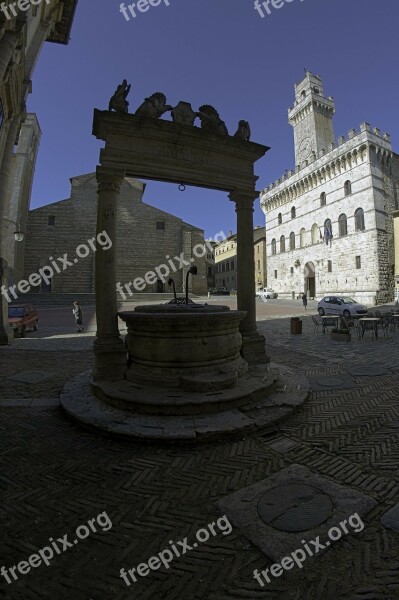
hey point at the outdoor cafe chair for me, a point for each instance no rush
(329, 322)
(369, 326)
(317, 323)
(386, 324)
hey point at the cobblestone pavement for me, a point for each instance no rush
(57, 476)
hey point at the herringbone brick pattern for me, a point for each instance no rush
(56, 476)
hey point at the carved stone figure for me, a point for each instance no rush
(154, 106)
(118, 102)
(183, 114)
(244, 131)
(210, 121)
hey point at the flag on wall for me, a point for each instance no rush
(327, 234)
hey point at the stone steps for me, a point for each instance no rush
(132, 397)
(262, 413)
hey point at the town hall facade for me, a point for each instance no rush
(329, 225)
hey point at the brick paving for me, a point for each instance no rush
(56, 476)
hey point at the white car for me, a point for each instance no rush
(341, 305)
(267, 293)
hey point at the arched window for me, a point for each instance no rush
(274, 246)
(293, 212)
(315, 234)
(323, 199)
(303, 94)
(280, 218)
(282, 244)
(347, 188)
(359, 220)
(302, 237)
(292, 241)
(328, 234)
(342, 225)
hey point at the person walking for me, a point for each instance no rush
(305, 300)
(77, 311)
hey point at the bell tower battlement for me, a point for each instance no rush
(312, 118)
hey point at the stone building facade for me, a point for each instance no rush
(23, 170)
(24, 28)
(147, 237)
(226, 260)
(329, 225)
(22, 36)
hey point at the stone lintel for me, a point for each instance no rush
(166, 151)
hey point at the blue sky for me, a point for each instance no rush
(218, 52)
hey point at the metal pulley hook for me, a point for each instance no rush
(182, 187)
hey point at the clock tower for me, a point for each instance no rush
(312, 118)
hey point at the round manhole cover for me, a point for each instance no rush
(330, 381)
(294, 508)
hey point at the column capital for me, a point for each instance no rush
(244, 199)
(108, 179)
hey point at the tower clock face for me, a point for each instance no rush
(305, 148)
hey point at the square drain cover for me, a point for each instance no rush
(292, 506)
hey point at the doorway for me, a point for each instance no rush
(310, 280)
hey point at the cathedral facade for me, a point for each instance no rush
(147, 238)
(329, 222)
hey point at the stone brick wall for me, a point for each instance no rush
(142, 245)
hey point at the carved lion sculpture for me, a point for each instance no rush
(210, 120)
(154, 106)
(244, 131)
(118, 102)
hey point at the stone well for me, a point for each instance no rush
(185, 380)
(184, 360)
(194, 347)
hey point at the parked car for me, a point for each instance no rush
(221, 291)
(267, 293)
(22, 317)
(341, 305)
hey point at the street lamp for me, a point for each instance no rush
(18, 234)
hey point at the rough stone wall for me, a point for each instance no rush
(396, 237)
(141, 246)
(386, 250)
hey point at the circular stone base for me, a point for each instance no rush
(260, 411)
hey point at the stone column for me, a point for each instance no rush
(109, 349)
(253, 343)
(6, 172)
(8, 43)
(6, 333)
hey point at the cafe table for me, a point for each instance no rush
(374, 320)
